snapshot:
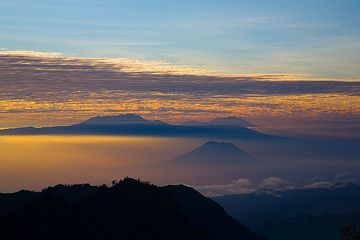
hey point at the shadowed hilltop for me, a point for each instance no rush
(129, 209)
(131, 124)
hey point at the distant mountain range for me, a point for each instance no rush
(131, 124)
(128, 210)
(214, 152)
(126, 119)
(225, 121)
(312, 214)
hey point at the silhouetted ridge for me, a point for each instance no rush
(70, 193)
(224, 121)
(132, 124)
(10, 202)
(223, 146)
(130, 209)
(124, 119)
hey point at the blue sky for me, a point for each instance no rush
(306, 37)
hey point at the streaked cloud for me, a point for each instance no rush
(69, 89)
(265, 36)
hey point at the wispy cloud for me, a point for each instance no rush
(270, 184)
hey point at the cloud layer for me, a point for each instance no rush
(270, 184)
(70, 89)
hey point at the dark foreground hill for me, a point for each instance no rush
(128, 210)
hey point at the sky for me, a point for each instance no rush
(64, 61)
(315, 37)
(292, 66)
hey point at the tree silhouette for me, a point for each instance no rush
(351, 232)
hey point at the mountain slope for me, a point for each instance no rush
(310, 227)
(316, 213)
(214, 153)
(128, 210)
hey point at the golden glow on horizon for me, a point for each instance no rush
(248, 106)
(35, 162)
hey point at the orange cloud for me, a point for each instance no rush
(44, 89)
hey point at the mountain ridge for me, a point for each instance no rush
(127, 118)
(130, 209)
(223, 121)
(131, 124)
